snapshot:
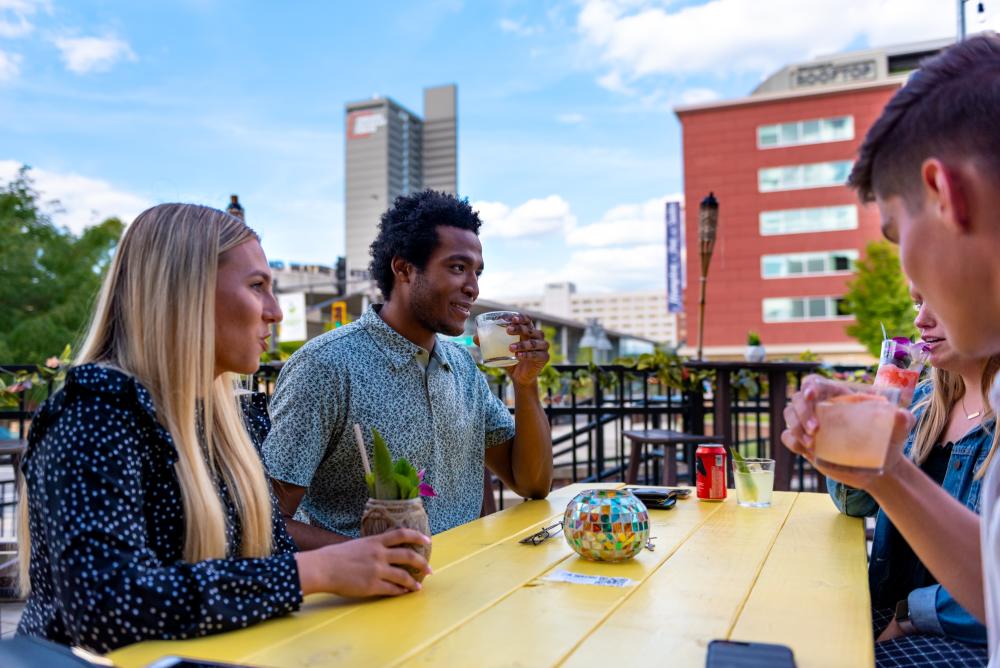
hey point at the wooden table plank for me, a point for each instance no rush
(382, 632)
(320, 610)
(560, 614)
(807, 595)
(790, 574)
(695, 596)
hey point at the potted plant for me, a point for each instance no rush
(755, 351)
(395, 489)
(22, 383)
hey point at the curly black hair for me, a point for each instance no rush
(409, 230)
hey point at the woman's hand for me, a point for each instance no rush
(371, 566)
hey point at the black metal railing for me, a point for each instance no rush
(741, 404)
(589, 409)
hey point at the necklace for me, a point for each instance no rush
(968, 415)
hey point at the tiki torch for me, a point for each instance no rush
(708, 225)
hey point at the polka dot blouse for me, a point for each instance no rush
(107, 528)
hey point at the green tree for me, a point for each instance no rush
(49, 276)
(879, 296)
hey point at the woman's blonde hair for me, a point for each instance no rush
(155, 320)
(948, 388)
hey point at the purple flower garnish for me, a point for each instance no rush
(901, 350)
(425, 489)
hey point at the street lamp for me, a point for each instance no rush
(595, 339)
(708, 225)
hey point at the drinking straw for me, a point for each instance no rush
(885, 337)
(359, 439)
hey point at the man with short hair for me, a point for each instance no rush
(426, 396)
(931, 163)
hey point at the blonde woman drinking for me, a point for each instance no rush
(917, 621)
(148, 510)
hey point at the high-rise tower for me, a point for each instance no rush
(390, 151)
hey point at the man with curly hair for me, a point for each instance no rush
(425, 395)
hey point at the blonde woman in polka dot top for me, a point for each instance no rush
(147, 507)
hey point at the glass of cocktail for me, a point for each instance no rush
(754, 482)
(855, 430)
(900, 365)
(494, 341)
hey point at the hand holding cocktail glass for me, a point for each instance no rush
(510, 340)
(854, 431)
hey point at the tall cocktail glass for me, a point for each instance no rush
(899, 367)
(855, 430)
(494, 341)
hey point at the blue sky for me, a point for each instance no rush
(567, 142)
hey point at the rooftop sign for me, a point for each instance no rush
(826, 74)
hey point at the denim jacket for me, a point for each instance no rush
(932, 609)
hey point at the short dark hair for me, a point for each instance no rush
(949, 109)
(409, 230)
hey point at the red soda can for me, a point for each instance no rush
(710, 464)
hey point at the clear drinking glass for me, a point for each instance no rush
(754, 482)
(855, 429)
(899, 366)
(494, 341)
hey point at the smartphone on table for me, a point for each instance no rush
(733, 654)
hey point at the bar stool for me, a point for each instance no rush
(669, 440)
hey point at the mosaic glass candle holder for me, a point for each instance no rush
(606, 525)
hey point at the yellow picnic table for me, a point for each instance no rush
(793, 574)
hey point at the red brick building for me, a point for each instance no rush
(789, 230)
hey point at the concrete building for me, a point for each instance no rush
(641, 314)
(322, 285)
(790, 231)
(390, 151)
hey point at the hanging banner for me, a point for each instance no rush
(675, 264)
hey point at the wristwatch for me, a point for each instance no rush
(903, 618)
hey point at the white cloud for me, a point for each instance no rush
(631, 268)
(496, 284)
(634, 39)
(698, 96)
(82, 201)
(623, 251)
(15, 16)
(519, 28)
(614, 83)
(10, 65)
(92, 54)
(624, 225)
(572, 118)
(531, 219)
(618, 269)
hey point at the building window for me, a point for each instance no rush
(797, 177)
(808, 264)
(818, 131)
(818, 219)
(790, 309)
